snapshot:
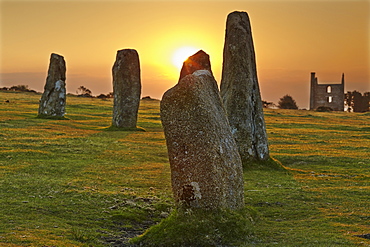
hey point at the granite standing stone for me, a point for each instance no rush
(240, 90)
(198, 61)
(126, 88)
(53, 100)
(206, 169)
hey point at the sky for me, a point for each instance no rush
(292, 38)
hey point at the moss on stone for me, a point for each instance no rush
(199, 227)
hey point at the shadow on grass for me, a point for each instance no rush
(43, 116)
(113, 128)
(270, 164)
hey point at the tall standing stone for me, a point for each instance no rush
(240, 90)
(198, 61)
(206, 169)
(126, 88)
(53, 100)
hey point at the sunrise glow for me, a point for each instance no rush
(181, 54)
(307, 36)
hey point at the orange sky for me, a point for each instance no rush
(291, 38)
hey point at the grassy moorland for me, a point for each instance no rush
(76, 183)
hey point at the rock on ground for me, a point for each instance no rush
(206, 169)
(126, 88)
(240, 90)
(53, 100)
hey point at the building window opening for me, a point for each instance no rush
(328, 89)
(330, 99)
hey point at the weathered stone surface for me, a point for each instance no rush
(206, 169)
(198, 61)
(126, 88)
(53, 100)
(240, 90)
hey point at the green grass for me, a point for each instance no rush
(75, 183)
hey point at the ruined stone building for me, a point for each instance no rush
(326, 95)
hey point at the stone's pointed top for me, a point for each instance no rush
(126, 53)
(238, 13)
(198, 61)
(239, 19)
(54, 55)
(127, 50)
(198, 53)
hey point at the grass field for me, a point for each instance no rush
(75, 183)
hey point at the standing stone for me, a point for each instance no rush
(240, 90)
(53, 100)
(206, 169)
(126, 88)
(198, 61)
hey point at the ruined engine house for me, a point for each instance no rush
(326, 95)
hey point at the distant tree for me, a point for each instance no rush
(84, 92)
(101, 96)
(22, 88)
(105, 96)
(287, 102)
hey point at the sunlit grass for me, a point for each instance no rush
(329, 154)
(76, 183)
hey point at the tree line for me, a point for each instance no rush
(354, 101)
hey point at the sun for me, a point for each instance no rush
(181, 54)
